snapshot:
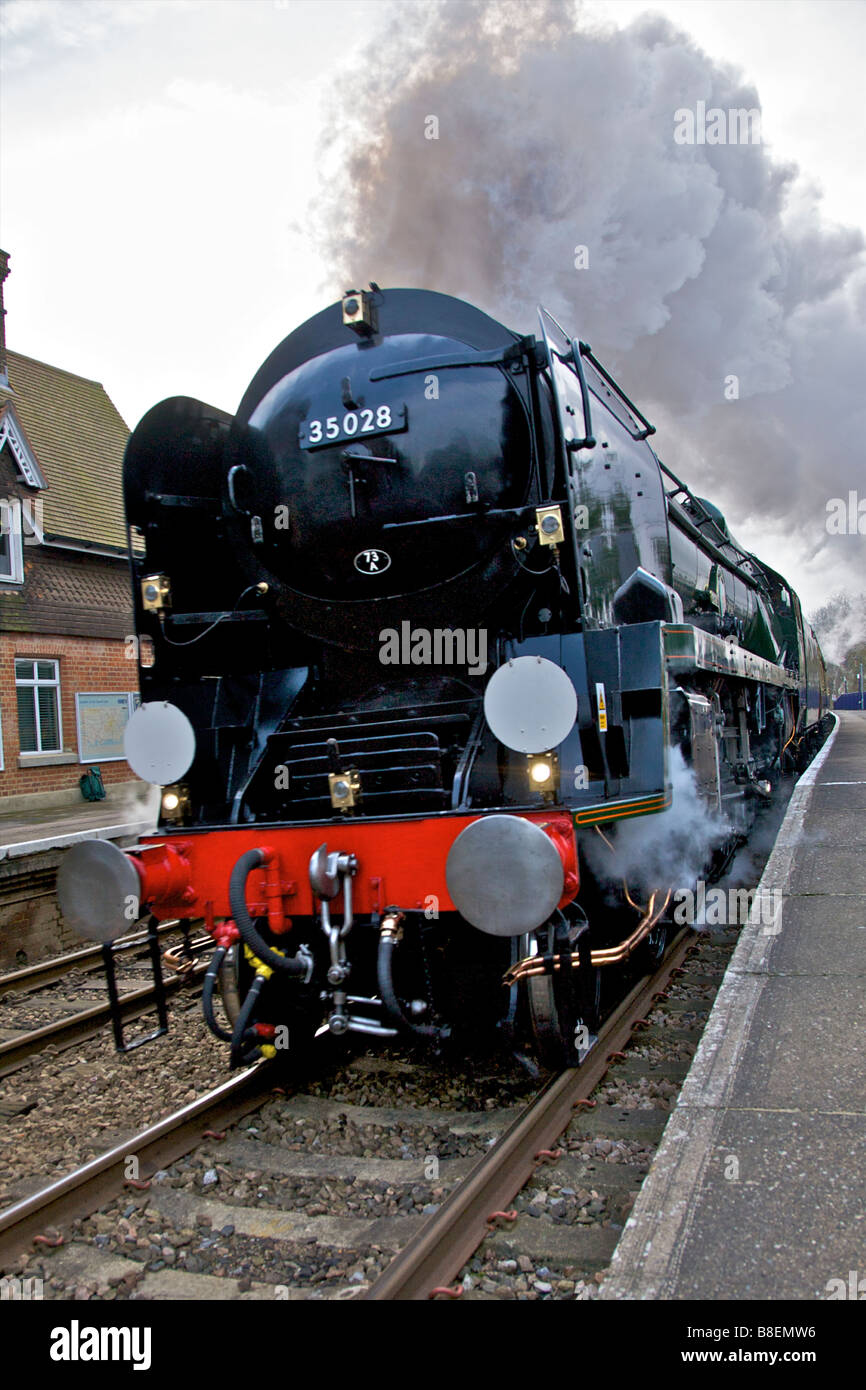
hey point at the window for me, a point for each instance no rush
(37, 685)
(11, 558)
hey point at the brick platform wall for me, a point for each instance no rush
(86, 664)
(31, 928)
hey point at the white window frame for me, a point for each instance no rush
(2, 757)
(36, 683)
(11, 526)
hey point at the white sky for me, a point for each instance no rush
(158, 157)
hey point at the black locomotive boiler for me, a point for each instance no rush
(425, 618)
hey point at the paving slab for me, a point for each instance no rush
(748, 1205)
(832, 799)
(758, 1188)
(806, 1046)
(830, 868)
(798, 942)
(119, 817)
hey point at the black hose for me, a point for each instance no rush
(210, 980)
(390, 1002)
(242, 1021)
(252, 859)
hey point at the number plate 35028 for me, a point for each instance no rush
(324, 430)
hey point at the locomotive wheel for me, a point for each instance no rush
(648, 956)
(564, 1011)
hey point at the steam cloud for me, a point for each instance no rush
(671, 850)
(840, 623)
(704, 260)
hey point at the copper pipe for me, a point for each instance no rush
(173, 958)
(176, 959)
(533, 966)
(630, 900)
(600, 832)
(614, 954)
(637, 908)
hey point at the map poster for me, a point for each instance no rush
(102, 719)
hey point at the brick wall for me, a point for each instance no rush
(86, 664)
(31, 928)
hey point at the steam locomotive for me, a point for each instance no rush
(421, 623)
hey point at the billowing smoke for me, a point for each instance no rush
(483, 144)
(840, 624)
(671, 850)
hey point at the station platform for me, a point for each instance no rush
(129, 810)
(758, 1189)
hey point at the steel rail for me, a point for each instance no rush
(434, 1256)
(48, 972)
(87, 1023)
(84, 1189)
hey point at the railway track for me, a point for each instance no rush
(89, 958)
(75, 1028)
(38, 1005)
(438, 1252)
(381, 1178)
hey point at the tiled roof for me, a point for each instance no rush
(80, 582)
(78, 438)
(69, 593)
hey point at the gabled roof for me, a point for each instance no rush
(78, 437)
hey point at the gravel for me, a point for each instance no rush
(501, 1083)
(90, 1097)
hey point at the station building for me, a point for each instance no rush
(68, 674)
(68, 677)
